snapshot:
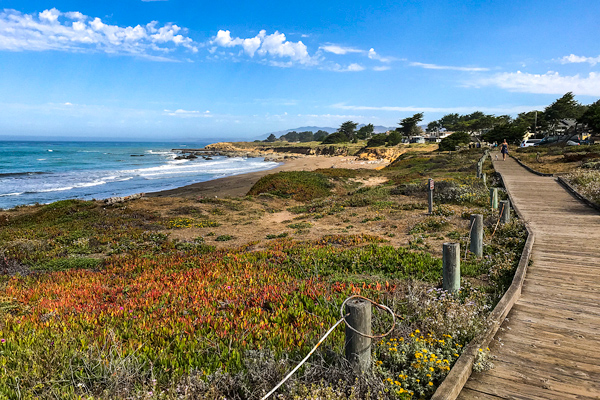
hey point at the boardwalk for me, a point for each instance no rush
(549, 346)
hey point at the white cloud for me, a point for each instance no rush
(548, 83)
(350, 68)
(75, 15)
(342, 50)
(434, 66)
(251, 45)
(339, 50)
(463, 109)
(50, 15)
(572, 58)
(188, 114)
(224, 39)
(75, 32)
(381, 68)
(274, 45)
(372, 54)
(277, 45)
(355, 67)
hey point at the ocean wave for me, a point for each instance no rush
(63, 188)
(13, 174)
(11, 194)
(60, 189)
(213, 167)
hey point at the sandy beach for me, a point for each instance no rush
(239, 185)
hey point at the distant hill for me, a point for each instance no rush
(313, 129)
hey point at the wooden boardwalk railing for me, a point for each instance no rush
(548, 348)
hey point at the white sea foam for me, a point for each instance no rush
(50, 150)
(59, 189)
(11, 194)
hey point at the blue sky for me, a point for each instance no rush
(174, 69)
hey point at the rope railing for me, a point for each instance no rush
(342, 319)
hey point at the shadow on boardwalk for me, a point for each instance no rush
(548, 348)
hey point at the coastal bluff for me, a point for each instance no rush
(283, 151)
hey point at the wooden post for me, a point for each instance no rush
(484, 177)
(358, 347)
(505, 211)
(494, 198)
(476, 245)
(451, 267)
(430, 189)
(479, 167)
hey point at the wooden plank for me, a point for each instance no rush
(581, 325)
(511, 389)
(551, 330)
(567, 267)
(562, 348)
(562, 304)
(545, 379)
(564, 285)
(562, 368)
(469, 394)
(532, 290)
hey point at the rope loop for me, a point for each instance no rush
(380, 306)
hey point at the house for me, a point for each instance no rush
(564, 125)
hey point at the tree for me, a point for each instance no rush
(591, 117)
(434, 127)
(408, 126)
(306, 136)
(365, 132)
(565, 107)
(320, 135)
(336, 137)
(377, 140)
(451, 142)
(290, 136)
(394, 138)
(533, 121)
(348, 128)
(449, 121)
(271, 138)
(513, 133)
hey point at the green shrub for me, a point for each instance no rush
(336, 137)
(224, 238)
(430, 224)
(63, 264)
(338, 172)
(367, 196)
(451, 142)
(300, 226)
(279, 236)
(299, 185)
(377, 140)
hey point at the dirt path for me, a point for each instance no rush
(547, 348)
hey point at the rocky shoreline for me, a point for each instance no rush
(282, 153)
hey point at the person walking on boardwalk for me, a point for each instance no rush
(504, 150)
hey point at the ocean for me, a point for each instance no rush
(44, 172)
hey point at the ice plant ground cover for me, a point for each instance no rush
(126, 302)
(587, 182)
